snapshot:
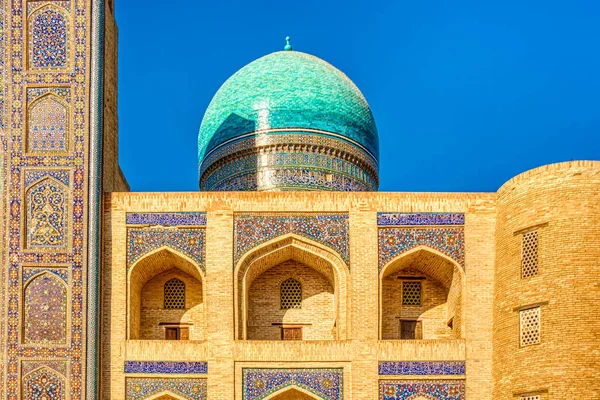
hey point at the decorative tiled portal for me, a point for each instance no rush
(401, 232)
(144, 388)
(259, 383)
(330, 230)
(428, 389)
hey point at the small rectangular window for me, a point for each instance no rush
(411, 293)
(530, 326)
(536, 397)
(529, 254)
(177, 333)
(410, 330)
(291, 333)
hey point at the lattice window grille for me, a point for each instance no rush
(411, 293)
(174, 294)
(536, 397)
(291, 294)
(530, 326)
(529, 254)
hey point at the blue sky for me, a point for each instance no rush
(465, 94)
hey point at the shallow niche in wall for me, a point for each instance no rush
(48, 35)
(48, 120)
(166, 297)
(44, 379)
(421, 296)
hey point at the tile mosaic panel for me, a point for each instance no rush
(422, 368)
(166, 367)
(330, 230)
(429, 389)
(143, 388)
(48, 120)
(44, 384)
(48, 31)
(35, 175)
(45, 308)
(47, 214)
(188, 241)
(403, 219)
(29, 272)
(259, 383)
(167, 219)
(59, 366)
(395, 241)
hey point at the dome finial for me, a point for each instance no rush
(288, 46)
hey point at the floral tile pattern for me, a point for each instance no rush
(166, 367)
(422, 368)
(402, 219)
(143, 388)
(258, 383)
(167, 219)
(434, 389)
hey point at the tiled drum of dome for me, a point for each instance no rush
(45, 310)
(48, 120)
(260, 383)
(330, 230)
(48, 32)
(428, 389)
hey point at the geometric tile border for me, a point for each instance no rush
(188, 388)
(142, 241)
(422, 368)
(259, 383)
(434, 389)
(166, 367)
(330, 230)
(167, 219)
(395, 241)
(411, 219)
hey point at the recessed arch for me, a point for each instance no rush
(436, 265)
(303, 250)
(44, 382)
(48, 30)
(163, 262)
(166, 395)
(45, 309)
(46, 203)
(48, 124)
(293, 392)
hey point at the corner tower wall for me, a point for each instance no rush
(562, 203)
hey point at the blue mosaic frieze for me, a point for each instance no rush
(412, 219)
(166, 367)
(35, 175)
(167, 219)
(328, 229)
(430, 389)
(422, 368)
(189, 241)
(188, 388)
(259, 383)
(395, 241)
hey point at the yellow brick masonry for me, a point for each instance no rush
(360, 353)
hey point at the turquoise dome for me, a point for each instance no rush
(289, 90)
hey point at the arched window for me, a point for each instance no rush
(291, 294)
(174, 294)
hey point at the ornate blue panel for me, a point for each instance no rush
(167, 219)
(411, 219)
(189, 241)
(430, 389)
(395, 241)
(259, 383)
(422, 368)
(48, 38)
(166, 367)
(188, 388)
(47, 205)
(328, 229)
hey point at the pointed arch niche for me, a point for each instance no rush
(293, 393)
(48, 31)
(149, 316)
(436, 312)
(323, 276)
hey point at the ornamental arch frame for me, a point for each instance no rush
(69, 127)
(457, 271)
(135, 276)
(282, 391)
(285, 247)
(70, 31)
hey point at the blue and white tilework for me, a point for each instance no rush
(259, 383)
(167, 219)
(166, 367)
(187, 388)
(188, 241)
(430, 389)
(422, 368)
(395, 241)
(412, 219)
(330, 230)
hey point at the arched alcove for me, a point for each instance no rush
(48, 124)
(45, 308)
(420, 296)
(151, 315)
(48, 38)
(258, 278)
(293, 393)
